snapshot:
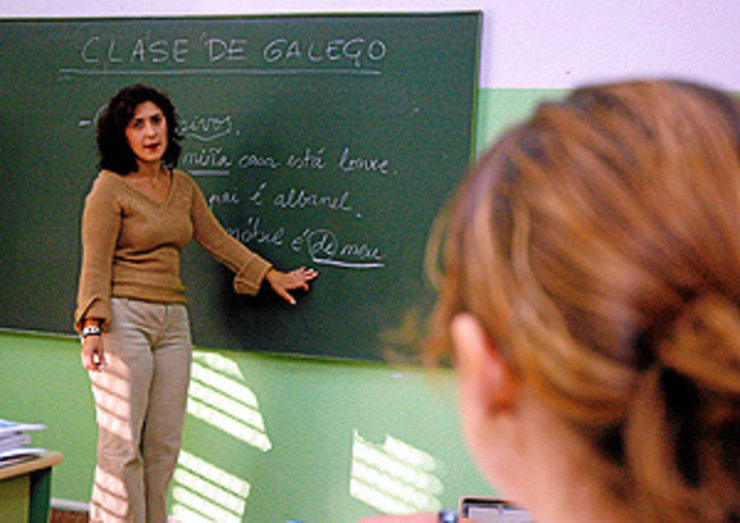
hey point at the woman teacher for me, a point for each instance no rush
(139, 215)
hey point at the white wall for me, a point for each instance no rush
(527, 43)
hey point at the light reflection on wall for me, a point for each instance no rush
(204, 493)
(395, 477)
(218, 396)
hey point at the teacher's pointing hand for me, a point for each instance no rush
(283, 282)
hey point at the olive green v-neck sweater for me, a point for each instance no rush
(131, 245)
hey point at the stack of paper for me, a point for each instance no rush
(15, 440)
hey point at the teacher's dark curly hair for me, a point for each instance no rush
(113, 147)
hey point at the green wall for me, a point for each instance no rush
(319, 440)
(296, 462)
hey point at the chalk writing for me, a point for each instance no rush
(311, 159)
(141, 50)
(307, 160)
(254, 232)
(207, 128)
(256, 198)
(208, 157)
(301, 199)
(324, 248)
(342, 54)
(250, 161)
(357, 51)
(349, 163)
(231, 50)
(223, 198)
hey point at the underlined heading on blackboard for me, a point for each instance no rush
(205, 55)
(65, 73)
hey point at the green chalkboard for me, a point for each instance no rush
(325, 141)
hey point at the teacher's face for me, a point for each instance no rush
(147, 133)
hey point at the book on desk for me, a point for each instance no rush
(15, 441)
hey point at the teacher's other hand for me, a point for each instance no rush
(93, 354)
(283, 282)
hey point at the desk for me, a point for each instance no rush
(25, 489)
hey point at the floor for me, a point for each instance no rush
(67, 516)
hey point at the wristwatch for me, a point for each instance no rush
(90, 330)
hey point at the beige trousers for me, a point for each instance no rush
(140, 399)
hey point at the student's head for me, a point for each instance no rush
(115, 152)
(590, 296)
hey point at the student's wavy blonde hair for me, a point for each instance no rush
(599, 245)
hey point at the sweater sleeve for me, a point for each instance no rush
(249, 267)
(101, 223)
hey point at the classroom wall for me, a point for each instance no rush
(308, 428)
(526, 44)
